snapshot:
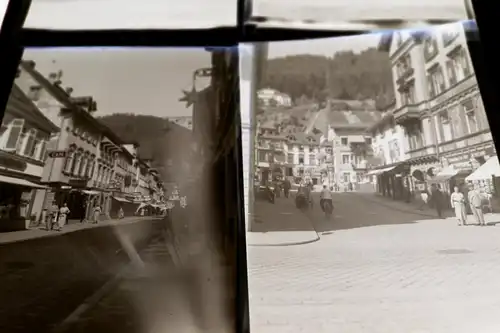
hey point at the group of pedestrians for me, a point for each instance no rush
(459, 202)
(475, 199)
(58, 216)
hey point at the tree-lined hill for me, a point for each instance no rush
(366, 75)
(159, 139)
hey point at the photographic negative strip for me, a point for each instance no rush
(372, 186)
(110, 160)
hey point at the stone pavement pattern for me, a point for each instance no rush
(391, 271)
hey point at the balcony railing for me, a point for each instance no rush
(406, 112)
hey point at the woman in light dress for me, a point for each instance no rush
(458, 203)
(97, 213)
(63, 216)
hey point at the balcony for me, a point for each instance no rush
(405, 76)
(406, 113)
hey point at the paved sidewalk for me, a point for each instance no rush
(413, 207)
(280, 224)
(40, 232)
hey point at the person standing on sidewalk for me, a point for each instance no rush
(96, 214)
(63, 214)
(457, 199)
(52, 218)
(437, 199)
(286, 187)
(476, 204)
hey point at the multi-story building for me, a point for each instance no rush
(24, 135)
(71, 167)
(438, 104)
(344, 144)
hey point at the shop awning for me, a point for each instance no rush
(380, 171)
(121, 199)
(20, 182)
(90, 192)
(445, 174)
(490, 168)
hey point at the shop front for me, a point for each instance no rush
(19, 181)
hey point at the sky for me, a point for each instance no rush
(132, 14)
(323, 46)
(146, 81)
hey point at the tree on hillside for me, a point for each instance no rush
(366, 75)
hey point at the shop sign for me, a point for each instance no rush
(467, 155)
(79, 183)
(57, 154)
(9, 162)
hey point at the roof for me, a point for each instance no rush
(64, 98)
(384, 44)
(328, 117)
(37, 117)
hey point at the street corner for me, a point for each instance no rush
(281, 238)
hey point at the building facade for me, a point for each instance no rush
(24, 135)
(271, 97)
(438, 105)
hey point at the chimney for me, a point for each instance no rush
(69, 90)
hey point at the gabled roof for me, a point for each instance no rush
(64, 98)
(34, 114)
(344, 119)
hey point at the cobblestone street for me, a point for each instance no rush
(377, 269)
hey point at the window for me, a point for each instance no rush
(346, 158)
(458, 66)
(408, 94)
(30, 143)
(446, 126)
(435, 81)
(449, 35)
(289, 158)
(368, 141)
(82, 166)
(68, 161)
(42, 150)
(20, 142)
(430, 48)
(344, 141)
(301, 148)
(403, 65)
(301, 159)
(14, 133)
(312, 159)
(346, 177)
(470, 115)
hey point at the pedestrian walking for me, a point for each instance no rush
(63, 215)
(437, 199)
(121, 214)
(96, 214)
(424, 196)
(286, 187)
(476, 204)
(457, 200)
(84, 211)
(52, 218)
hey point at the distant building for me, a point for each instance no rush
(271, 97)
(345, 146)
(186, 122)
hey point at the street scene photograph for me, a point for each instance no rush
(373, 186)
(111, 218)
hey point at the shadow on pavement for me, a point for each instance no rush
(357, 211)
(280, 216)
